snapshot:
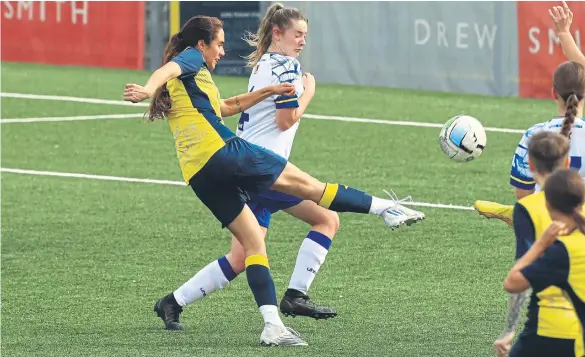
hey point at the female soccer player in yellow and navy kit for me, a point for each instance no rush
(557, 259)
(222, 168)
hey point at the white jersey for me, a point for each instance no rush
(258, 124)
(521, 176)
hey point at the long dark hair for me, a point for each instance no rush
(565, 192)
(195, 29)
(569, 84)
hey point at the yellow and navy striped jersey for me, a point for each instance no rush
(195, 114)
(550, 313)
(563, 265)
(520, 174)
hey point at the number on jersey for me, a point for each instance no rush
(576, 162)
(244, 118)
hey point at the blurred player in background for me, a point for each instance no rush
(563, 87)
(222, 169)
(562, 266)
(569, 89)
(552, 324)
(569, 92)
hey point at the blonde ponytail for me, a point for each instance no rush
(276, 15)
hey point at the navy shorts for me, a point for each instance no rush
(533, 345)
(268, 202)
(233, 172)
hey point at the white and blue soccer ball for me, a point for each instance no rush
(462, 138)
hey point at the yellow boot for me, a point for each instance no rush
(495, 210)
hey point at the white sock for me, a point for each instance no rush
(379, 205)
(311, 255)
(270, 314)
(215, 276)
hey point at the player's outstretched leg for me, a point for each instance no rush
(341, 198)
(495, 210)
(311, 256)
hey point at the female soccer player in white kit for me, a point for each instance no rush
(272, 124)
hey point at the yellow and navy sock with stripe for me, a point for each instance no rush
(262, 286)
(341, 198)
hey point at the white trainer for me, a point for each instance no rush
(274, 335)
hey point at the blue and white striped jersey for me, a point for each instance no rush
(521, 176)
(258, 124)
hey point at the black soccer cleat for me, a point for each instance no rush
(295, 303)
(169, 310)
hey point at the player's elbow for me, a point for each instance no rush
(509, 286)
(284, 125)
(513, 283)
(224, 109)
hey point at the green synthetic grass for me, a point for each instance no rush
(83, 261)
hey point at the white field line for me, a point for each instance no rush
(70, 99)
(177, 183)
(73, 118)
(91, 177)
(308, 116)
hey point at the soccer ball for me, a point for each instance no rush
(462, 138)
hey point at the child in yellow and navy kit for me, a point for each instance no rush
(557, 258)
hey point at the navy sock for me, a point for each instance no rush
(340, 198)
(260, 280)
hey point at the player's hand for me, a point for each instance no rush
(136, 93)
(551, 234)
(503, 344)
(562, 17)
(309, 82)
(286, 88)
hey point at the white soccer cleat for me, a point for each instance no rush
(397, 214)
(393, 218)
(274, 335)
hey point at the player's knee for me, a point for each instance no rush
(255, 248)
(332, 222)
(327, 224)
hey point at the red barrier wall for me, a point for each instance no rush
(539, 52)
(86, 33)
